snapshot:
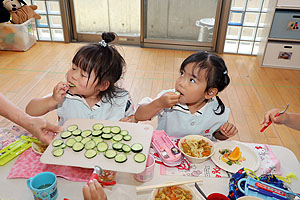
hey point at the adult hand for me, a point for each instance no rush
(270, 116)
(93, 191)
(41, 129)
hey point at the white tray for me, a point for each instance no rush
(141, 133)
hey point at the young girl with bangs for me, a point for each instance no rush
(90, 89)
(194, 106)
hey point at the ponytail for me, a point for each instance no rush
(220, 106)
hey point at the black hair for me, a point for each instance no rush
(216, 76)
(105, 61)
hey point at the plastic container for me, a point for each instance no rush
(206, 31)
(17, 37)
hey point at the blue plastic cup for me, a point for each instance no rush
(43, 186)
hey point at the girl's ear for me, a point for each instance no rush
(211, 93)
(104, 85)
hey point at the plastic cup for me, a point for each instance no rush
(147, 174)
(217, 196)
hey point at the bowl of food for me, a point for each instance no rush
(38, 148)
(173, 192)
(196, 148)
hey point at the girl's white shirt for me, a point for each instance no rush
(179, 122)
(75, 106)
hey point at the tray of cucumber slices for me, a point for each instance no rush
(117, 146)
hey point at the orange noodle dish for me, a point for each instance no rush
(196, 148)
(173, 192)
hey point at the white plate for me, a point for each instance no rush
(252, 160)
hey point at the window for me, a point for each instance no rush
(246, 19)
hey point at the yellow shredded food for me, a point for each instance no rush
(173, 193)
(196, 148)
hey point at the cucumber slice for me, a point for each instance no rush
(117, 138)
(85, 140)
(127, 137)
(97, 140)
(90, 145)
(76, 132)
(124, 132)
(136, 147)
(115, 130)
(139, 157)
(106, 136)
(70, 142)
(63, 146)
(77, 146)
(117, 146)
(120, 158)
(86, 133)
(57, 152)
(106, 129)
(78, 138)
(65, 134)
(57, 142)
(98, 126)
(90, 153)
(96, 133)
(110, 153)
(72, 128)
(102, 146)
(126, 148)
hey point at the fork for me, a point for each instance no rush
(270, 122)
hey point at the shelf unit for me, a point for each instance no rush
(280, 47)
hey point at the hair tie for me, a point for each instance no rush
(103, 43)
(225, 72)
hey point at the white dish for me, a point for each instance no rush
(252, 160)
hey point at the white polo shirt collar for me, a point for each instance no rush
(185, 108)
(80, 98)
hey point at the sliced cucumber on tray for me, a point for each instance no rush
(86, 133)
(102, 146)
(77, 146)
(139, 157)
(72, 128)
(136, 147)
(57, 142)
(65, 134)
(58, 152)
(115, 129)
(120, 158)
(110, 153)
(98, 126)
(90, 153)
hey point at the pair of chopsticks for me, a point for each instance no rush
(150, 187)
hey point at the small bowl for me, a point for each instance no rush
(185, 187)
(197, 137)
(38, 148)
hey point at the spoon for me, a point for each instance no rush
(270, 122)
(201, 192)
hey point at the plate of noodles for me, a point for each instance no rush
(173, 192)
(196, 148)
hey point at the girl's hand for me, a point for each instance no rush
(130, 118)
(59, 91)
(169, 99)
(228, 130)
(93, 191)
(270, 116)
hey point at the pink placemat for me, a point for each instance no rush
(28, 165)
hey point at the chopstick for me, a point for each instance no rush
(149, 187)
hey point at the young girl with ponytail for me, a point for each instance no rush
(90, 89)
(194, 106)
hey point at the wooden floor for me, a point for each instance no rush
(252, 91)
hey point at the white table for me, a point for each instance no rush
(16, 189)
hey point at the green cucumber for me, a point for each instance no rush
(102, 146)
(139, 157)
(106, 129)
(126, 148)
(117, 138)
(115, 130)
(57, 152)
(110, 153)
(90, 145)
(86, 133)
(85, 140)
(63, 146)
(120, 158)
(76, 132)
(97, 140)
(96, 133)
(78, 138)
(106, 136)
(124, 132)
(65, 134)
(77, 146)
(90, 153)
(136, 147)
(57, 142)
(117, 146)
(98, 126)
(70, 142)
(127, 137)
(72, 128)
